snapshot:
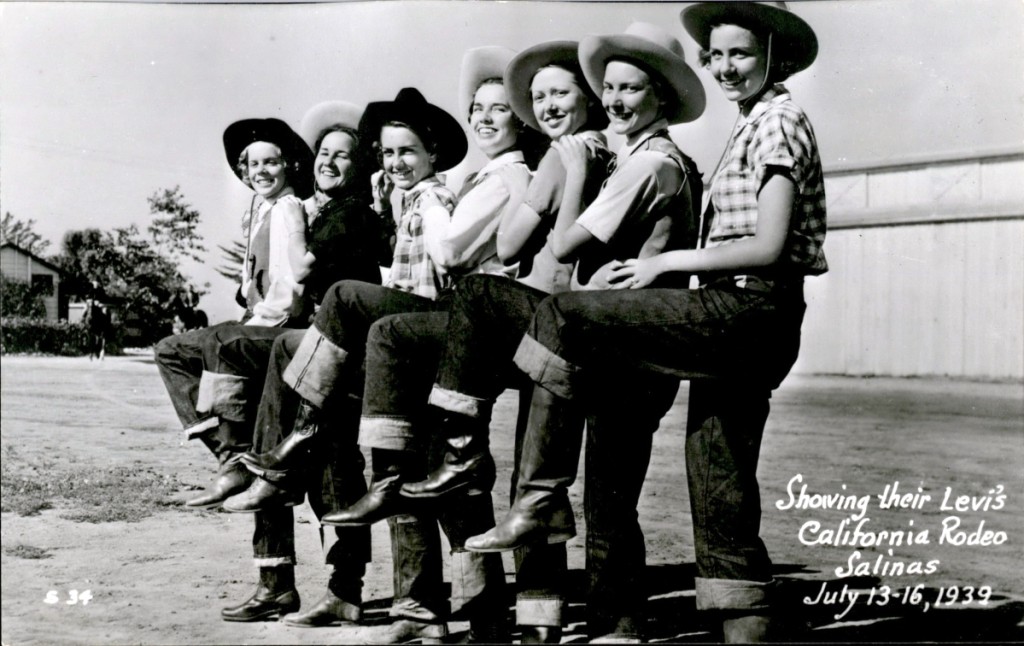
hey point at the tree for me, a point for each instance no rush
(21, 233)
(140, 273)
(233, 259)
(174, 226)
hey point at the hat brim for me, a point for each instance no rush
(797, 37)
(478, 65)
(520, 72)
(240, 134)
(325, 115)
(447, 134)
(596, 51)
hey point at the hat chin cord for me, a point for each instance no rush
(767, 74)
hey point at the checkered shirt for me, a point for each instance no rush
(775, 133)
(412, 270)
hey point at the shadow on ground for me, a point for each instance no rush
(675, 619)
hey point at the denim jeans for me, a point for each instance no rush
(487, 319)
(402, 355)
(619, 440)
(179, 359)
(333, 480)
(743, 340)
(329, 360)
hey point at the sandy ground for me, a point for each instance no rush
(163, 579)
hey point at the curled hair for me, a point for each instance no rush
(358, 176)
(292, 167)
(781, 64)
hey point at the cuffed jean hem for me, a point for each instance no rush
(273, 561)
(406, 608)
(222, 395)
(546, 368)
(473, 576)
(538, 611)
(315, 367)
(392, 433)
(733, 594)
(200, 427)
(456, 402)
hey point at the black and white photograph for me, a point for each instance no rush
(313, 333)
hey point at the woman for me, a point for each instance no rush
(544, 88)
(764, 233)
(272, 160)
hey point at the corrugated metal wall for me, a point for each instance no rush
(927, 271)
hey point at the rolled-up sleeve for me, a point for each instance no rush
(639, 186)
(468, 236)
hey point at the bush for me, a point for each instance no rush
(21, 299)
(47, 337)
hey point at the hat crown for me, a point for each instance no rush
(410, 96)
(656, 35)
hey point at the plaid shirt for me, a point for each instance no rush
(775, 133)
(412, 269)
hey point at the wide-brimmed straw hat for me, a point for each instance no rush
(428, 120)
(240, 134)
(791, 34)
(325, 115)
(521, 70)
(478, 65)
(656, 51)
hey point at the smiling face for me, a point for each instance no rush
(737, 61)
(404, 157)
(265, 168)
(334, 160)
(629, 98)
(491, 120)
(559, 103)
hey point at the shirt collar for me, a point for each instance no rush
(648, 132)
(415, 191)
(775, 94)
(269, 204)
(504, 159)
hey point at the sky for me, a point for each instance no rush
(103, 104)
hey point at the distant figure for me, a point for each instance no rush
(97, 325)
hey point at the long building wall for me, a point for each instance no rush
(927, 271)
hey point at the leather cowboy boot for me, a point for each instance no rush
(547, 467)
(228, 442)
(287, 453)
(329, 611)
(263, 494)
(383, 499)
(275, 596)
(467, 461)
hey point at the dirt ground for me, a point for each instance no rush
(163, 579)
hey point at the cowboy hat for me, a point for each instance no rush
(791, 33)
(655, 50)
(325, 115)
(521, 70)
(428, 120)
(478, 65)
(240, 134)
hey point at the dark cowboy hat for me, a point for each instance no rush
(521, 70)
(654, 49)
(791, 34)
(240, 134)
(429, 121)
